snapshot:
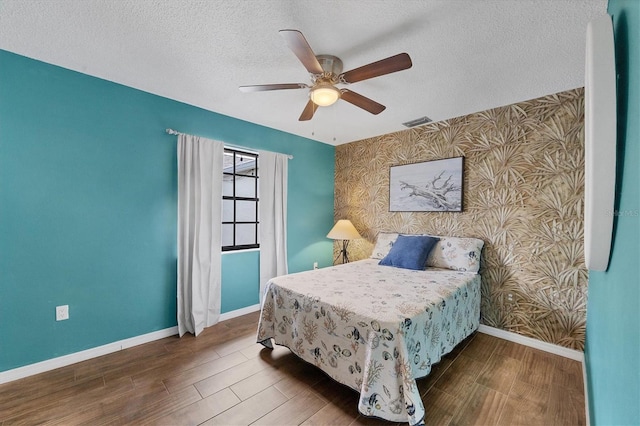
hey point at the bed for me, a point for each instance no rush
(377, 328)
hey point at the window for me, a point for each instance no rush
(239, 200)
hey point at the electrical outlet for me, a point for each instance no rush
(62, 312)
(315, 265)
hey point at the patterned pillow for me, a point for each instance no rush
(458, 254)
(383, 244)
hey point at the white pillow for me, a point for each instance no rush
(383, 244)
(458, 254)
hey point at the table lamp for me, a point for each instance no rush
(345, 231)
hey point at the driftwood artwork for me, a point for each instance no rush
(426, 187)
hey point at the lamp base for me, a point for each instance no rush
(343, 253)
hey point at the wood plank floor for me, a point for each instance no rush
(224, 378)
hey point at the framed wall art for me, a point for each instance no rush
(429, 186)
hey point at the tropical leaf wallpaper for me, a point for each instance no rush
(523, 195)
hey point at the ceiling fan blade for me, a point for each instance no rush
(298, 44)
(391, 64)
(308, 112)
(266, 87)
(362, 102)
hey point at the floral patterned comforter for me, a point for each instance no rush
(373, 328)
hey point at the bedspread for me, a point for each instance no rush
(373, 328)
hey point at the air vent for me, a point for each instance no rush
(417, 122)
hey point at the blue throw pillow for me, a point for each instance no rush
(410, 252)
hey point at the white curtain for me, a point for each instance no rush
(199, 232)
(272, 170)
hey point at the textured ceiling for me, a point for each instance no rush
(468, 55)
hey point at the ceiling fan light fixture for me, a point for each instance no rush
(325, 72)
(324, 94)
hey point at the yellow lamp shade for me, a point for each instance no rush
(343, 230)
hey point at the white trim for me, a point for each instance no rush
(63, 361)
(534, 343)
(586, 393)
(240, 251)
(547, 347)
(239, 312)
(240, 148)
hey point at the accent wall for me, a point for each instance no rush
(88, 195)
(612, 352)
(522, 195)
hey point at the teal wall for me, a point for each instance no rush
(612, 352)
(243, 270)
(88, 198)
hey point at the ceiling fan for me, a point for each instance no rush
(326, 72)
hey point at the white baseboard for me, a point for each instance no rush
(239, 312)
(533, 343)
(547, 347)
(63, 361)
(586, 392)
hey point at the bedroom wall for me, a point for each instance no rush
(88, 198)
(523, 195)
(612, 353)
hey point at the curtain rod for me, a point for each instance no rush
(175, 132)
